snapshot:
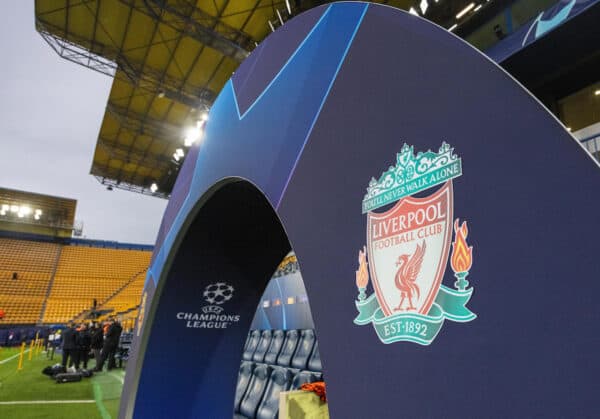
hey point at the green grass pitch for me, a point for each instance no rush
(30, 394)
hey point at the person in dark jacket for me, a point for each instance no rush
(83, 341)
(69, 345)
(97, 341)
(111, 343)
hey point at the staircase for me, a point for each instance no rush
(49, 289)
(81, 315)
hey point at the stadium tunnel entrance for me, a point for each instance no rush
(205, 304)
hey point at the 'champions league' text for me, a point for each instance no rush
(208, 321)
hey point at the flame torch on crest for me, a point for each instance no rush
(362, 274)
(462, 255)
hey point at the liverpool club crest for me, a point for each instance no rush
(408, 247)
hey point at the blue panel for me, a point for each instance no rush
(364, 82)
(280, 140)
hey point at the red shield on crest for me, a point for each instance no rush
(408, 249)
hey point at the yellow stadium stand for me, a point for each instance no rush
(129, 297)
(32, 265)
(125, 302)
(54, 283)
(87, 273)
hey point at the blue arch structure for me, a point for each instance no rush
(322, 106)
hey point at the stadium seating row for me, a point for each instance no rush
(274, 361)
(20, 309)
(27, 256)
(22, 296)
(23, 275)
(87, 273)
(77, 261)
(259, 386)
(295, 349)
(24, 286)
(128, 299)
(81, 274)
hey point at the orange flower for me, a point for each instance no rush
(318, 387)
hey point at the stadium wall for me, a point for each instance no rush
(76, 242)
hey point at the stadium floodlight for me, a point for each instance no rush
(14, 208)
(2, 212)
(154, 187)
(597, 92)
(193, 134)
(424, 5)
(477, 8)
(38, 212)
(413, 11)
(36, 217)
(465, 10)
(451, 28)
(188, 141)
(25, 210)
(288, 6)
(204, 116)
(178, 154)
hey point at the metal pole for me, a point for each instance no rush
(20, 366)
(31, 349)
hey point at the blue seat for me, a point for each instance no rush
(289, 347)
(254, 392)
(244, 376)
(263, 345)
(274, 347)
(304, 349)
(248, 338)
(252, 344)
(314, 363)
(303, 377)
(279, 381)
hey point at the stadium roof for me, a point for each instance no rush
(37, 213)
(170, 59)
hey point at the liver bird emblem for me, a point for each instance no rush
(408, 270)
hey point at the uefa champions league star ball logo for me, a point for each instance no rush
(218, 293)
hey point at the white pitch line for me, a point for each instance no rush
(48, 402)
(4, 361)
(117, 377)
